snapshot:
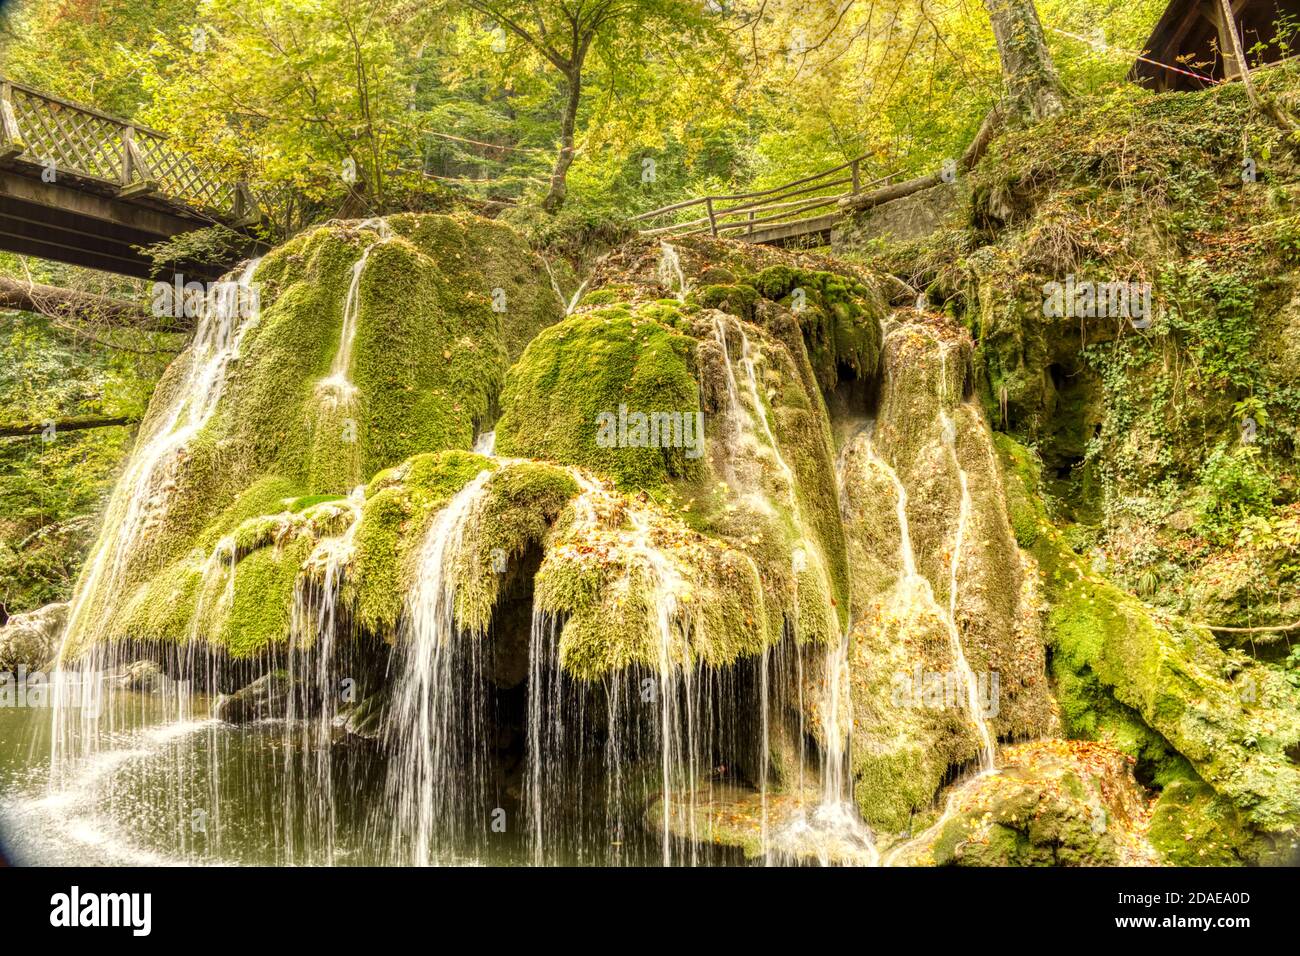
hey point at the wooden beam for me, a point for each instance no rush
(23, 239)
(11, 138)
(90, 205)
(59, 221)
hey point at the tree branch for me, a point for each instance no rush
(78, 423)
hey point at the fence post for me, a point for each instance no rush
(128, 136)
(134, 166)
(713, 223)
(750, 230)
(856, 185)
(11, 140)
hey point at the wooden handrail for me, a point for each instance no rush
(146, 162)
(751, 205)
(746, 207)
(686, 203)
(772, 220)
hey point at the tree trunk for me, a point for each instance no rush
(1234, 49)
(85, 307)
(559, 186)
(80, 423)
(1033, 88)
(973, 154)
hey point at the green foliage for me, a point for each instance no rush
(51, 491)
(1236, 487)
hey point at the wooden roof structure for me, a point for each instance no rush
(1191, 48)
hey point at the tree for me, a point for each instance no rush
(565, 32)
(1033, 87)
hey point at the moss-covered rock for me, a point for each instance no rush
(440, 307)
(596, 389)
(1051, 803)
(930, 450)
(1234, 721)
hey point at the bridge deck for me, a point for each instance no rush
(83, 187)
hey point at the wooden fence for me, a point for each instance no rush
(768, 214)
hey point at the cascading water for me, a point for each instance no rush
(138, 502)
(663, 734)
(671, 692)
(315, 692)
(438, 783)
(834, 827)
(670, 271)
(139, 497)
(129, 735)
(965, 675)
(338, 384)
(913, 589)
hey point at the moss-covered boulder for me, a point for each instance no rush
(1051, 803)
(366, 344)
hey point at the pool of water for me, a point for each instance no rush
(154, 780)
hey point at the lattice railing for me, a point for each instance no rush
(83, 142)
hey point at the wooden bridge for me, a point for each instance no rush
(791, 214)
(83, 187)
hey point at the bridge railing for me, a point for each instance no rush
(80, 141)
(751, 215)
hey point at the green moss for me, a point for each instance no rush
(1234, 726)
(891, 788)
(839, 316)
(1194, 826)
(603, 363)
(521, 503)
(1023, 507)
(737, 300)
(377, 566)
(608, 295)
(400, 503)
(261, 611)
(160, 609)
(306, 501)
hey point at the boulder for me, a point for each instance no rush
(32, 639)
(265, 697)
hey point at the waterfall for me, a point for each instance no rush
(140, 496)
(486, 444)
(219, 566)
(913, 588)
(675, 667)
(835, 827)
(438, 761)
(965, 674)
(315, 623)
(571, 303)
(338, 385)
(663, 732)
(670, 271)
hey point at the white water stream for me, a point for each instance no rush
(438, 761)
(338, 384)
(140, 496)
